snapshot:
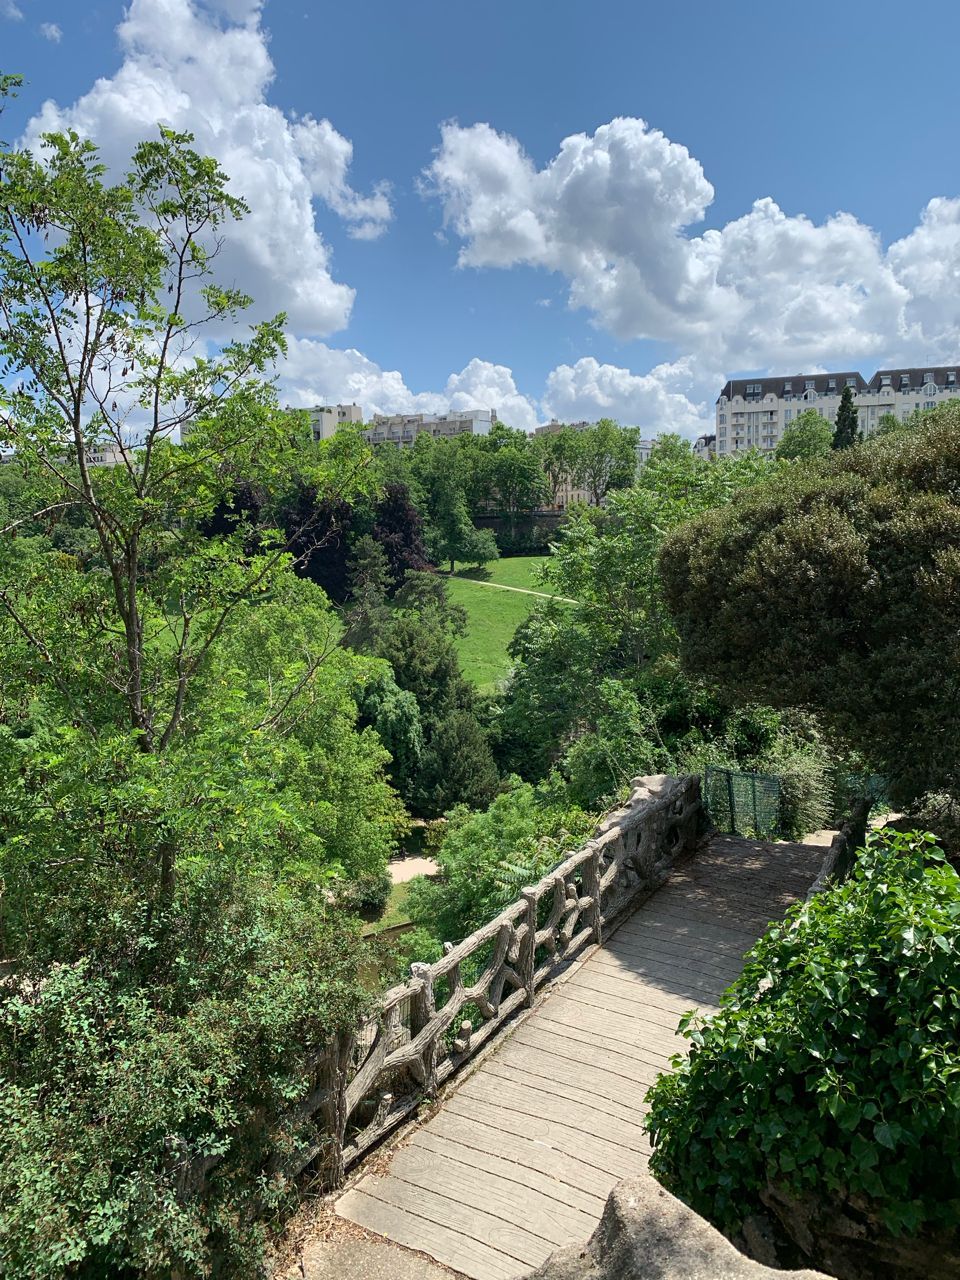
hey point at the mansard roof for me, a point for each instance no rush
(794, 385)
(916, 377)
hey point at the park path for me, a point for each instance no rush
(524, 591)
(522, 1155)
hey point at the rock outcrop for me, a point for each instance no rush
(647, 1234)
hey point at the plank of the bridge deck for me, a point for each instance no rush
(523, 1154)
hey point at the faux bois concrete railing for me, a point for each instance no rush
(428, 1027)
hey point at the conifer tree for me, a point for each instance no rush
(847, 430)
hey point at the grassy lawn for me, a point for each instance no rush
(492, 616)
(517, 571)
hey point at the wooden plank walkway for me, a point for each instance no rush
(524, 1153)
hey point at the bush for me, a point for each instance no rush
(832, 1068)
(139, 1140)
(487, 858)
(366, 896)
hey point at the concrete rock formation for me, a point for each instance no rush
(647, 1234)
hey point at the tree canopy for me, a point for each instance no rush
(838, 591)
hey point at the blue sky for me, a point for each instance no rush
(623, 271)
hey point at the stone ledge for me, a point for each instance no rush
(647, 1234)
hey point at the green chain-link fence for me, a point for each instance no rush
(746, 804)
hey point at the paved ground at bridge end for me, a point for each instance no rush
(522, 1155)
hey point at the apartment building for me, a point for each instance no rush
(403, 428)
(753, 413)
(326, 418)
(705, 446)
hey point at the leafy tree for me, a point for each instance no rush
(416, 635)
(837, 591)
(181, 770)
(826, 1085)
(585, 670)
(557, 452)
(847, 431)
(399, 528)
(810, 435)
(487, 858)
(888, 424)
(606, 458)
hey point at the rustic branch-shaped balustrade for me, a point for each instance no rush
(425, 1029)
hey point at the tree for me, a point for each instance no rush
(606, 458)
(181, 769)
(847, 430)
(578, 665)
(557, 451)
(810, 435)
(839, 592)
(399, 529)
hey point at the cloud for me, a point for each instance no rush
(314, 373)
(661, 400)
(206, 68)
(51, 31)
(11, 11)
(655, 401)
(612, 212)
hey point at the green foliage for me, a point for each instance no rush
(847, 430)
(113, 1108)
(838, 591)
(182, 774)
(486, 858)
(810, 435)
(832, 1067)
(444, 755)
(616, 647)
(604, 458)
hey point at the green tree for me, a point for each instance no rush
(839, 592)
(181, 768)
(606, 458)
(557, 452)
(810, 435)
(847, 431)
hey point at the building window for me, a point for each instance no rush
(787, 388)
(904, 382)
(929, 404)
(787, 415)
(808, 385)
(885, 380)
(831, 384)
(851, 382)
(722, 419)
(951, 378)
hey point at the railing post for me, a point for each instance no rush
(334, 1082)
(528, 952)
(422, 1008)
(591, 884)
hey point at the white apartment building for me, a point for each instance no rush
(705, 446)
(326, 418)
(753, 413)
(403, 428)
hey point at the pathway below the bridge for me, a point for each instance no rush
(522, 1155)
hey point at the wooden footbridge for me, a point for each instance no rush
(520, 1158)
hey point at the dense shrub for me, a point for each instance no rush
(832, 1068)
(113, 1107)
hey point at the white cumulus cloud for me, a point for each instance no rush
(612, 212)
(51, 31)
(314, 373)
(205, 68)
